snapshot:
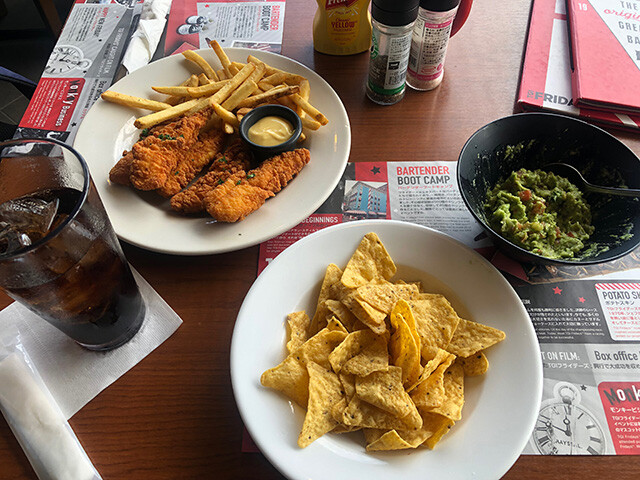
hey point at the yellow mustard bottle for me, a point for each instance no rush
(342, 27)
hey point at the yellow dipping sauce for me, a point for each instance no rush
(270, 131)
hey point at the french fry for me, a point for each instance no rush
(269, 69)
(305, 89)
(285, 77)
(174, 99)
(310, 123)
(242, 92)
(269, 95)
(170, 113)
(229, 69)
(257, 73)
(241, 112)
(193, 92)
(265, 86)
(275, 78)
(200, 62)
(225, 115)
(193, 81)
(231, 92)
(129, 101)
(310, 109)
(222, 94)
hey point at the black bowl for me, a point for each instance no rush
(547, 138)
(259, 151)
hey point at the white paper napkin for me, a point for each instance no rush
(75, 375)
(145, 39)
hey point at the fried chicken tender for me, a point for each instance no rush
(237, 197)
(157, 155)
(274, 173)
(235, 160)
(121, 171)
(193, 161)
(234, 199)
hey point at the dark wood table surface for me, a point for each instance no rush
(173, 415)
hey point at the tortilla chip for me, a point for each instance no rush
(477, 364)
(348, 385)
(342, 313)
(332, 275)
(431, 393)
(389, 440)
(298, 323)
(362, 414)
(318, 348)
(436, 322)
(353, 345)
(432, 425)
(372, 358)
(384, 296)
(439, 424)
(290, 378)
(402, 307)
(451, 406)
(338, 408)
(440, 357)
(325, 390)
(369, 262)
(339, 292)
(334, 324)
(370, 316)
(384, 390)
(471, 337)
(404, 350)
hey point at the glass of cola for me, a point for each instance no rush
(59, 255)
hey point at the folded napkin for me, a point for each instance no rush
(145, 39)
(74, 375)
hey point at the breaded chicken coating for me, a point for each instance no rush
(156, 156)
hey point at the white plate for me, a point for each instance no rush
(146, 220)
(500, 408)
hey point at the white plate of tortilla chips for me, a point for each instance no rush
(398, 329)
(146, 219)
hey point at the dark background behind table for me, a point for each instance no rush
(173, 415)
(26, 40)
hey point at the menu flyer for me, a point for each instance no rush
(83, 64)
(587, 319)
(87, 57)
(256, 24)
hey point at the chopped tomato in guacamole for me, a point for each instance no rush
(541, 212)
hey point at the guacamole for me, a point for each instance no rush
(540, 212)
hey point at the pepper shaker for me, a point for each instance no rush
(392, 26)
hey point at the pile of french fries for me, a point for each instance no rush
(231, 91)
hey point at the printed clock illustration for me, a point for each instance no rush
(564, 427)
(65, 58)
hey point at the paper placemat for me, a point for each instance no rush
(75, 375)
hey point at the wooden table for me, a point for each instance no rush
(173, 415)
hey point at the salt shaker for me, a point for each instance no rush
(392, 25)
(429, 43)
